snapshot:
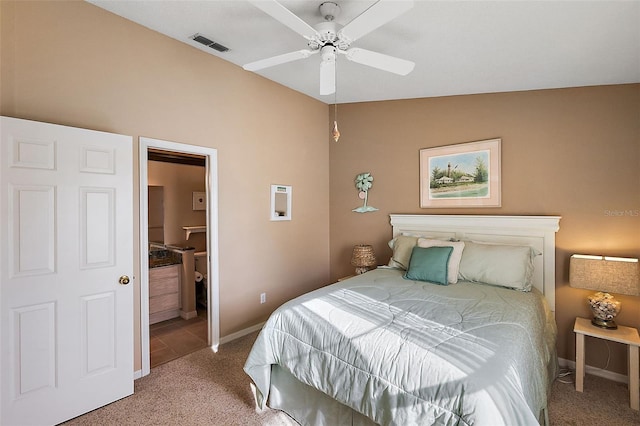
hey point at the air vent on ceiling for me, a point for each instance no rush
(209, 43)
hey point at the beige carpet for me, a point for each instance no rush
(204, 388)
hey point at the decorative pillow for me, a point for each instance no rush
(498, 264)
(402, 246)
(429, 264)
(454, 260)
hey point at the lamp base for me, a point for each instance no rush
(609, 324)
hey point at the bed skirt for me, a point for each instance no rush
(307, 405)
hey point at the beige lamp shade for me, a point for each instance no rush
(363, 258)
(611, 274)
(605, 274)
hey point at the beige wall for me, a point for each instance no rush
(74, 64)
(572, 152)
(179, 181)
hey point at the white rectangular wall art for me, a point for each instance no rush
(280, 202)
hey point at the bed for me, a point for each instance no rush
(448, 335)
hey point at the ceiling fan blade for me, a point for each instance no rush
(377, 15)
(380, 61)
(327, 77)
(280, 59)
(285, 16)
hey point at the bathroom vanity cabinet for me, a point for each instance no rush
(164, 293)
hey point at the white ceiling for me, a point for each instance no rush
(459, 47)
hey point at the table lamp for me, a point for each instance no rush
(605, 274)
(363, 258)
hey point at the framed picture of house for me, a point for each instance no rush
(461, 175)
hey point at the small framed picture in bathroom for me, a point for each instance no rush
(199, 201)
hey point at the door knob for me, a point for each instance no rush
(124, 280)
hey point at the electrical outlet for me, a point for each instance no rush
(263, 298)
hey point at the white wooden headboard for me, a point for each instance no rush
(538, 232)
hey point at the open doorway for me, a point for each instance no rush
(177, 259)
(188, 250)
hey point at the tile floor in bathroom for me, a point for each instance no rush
(177, 337)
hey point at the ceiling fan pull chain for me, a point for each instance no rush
(335, 133)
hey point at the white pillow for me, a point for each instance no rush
(456, 255)
(498, 264)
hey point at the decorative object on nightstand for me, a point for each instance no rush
(363, 185)
(606, 274)
(363, 258)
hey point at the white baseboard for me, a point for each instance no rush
(606, 374)
(238, 334)
(137, 374)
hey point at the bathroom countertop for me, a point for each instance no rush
(158, 258)
(156, 263)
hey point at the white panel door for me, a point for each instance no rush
(66, 239)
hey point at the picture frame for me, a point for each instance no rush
(461, 175)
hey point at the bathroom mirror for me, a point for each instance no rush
(280, 202)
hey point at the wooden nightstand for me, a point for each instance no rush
(626, 335)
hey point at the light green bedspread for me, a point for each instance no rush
(405, 352)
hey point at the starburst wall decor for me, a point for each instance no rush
(364, 182)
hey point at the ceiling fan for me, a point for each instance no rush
(328, 39)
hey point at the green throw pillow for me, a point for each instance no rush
(429, 264)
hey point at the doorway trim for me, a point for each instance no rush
(213, 313)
